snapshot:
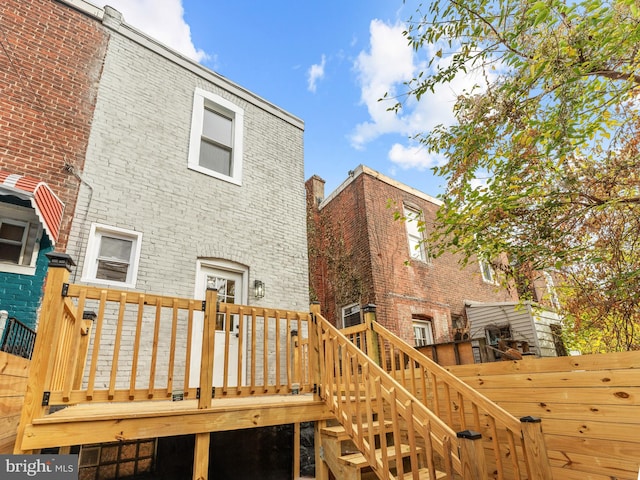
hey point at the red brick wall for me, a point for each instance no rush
(50, 64)
(376, 247)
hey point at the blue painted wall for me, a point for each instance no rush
(20, 294)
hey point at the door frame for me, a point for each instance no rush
(196, 340)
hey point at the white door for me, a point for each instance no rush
(230, 286)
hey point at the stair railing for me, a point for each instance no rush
(360, 393)
(515, 448)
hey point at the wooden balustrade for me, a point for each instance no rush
(143, 347)
(359, 393)
(516, 448)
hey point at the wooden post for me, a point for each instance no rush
(42, 360)
(315, 344)
(201, 456)
(322, 472)
(296, 451)
(208, 343)
(535, 448)
(474, 464)
(373, 347)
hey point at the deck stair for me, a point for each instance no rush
(347, 462)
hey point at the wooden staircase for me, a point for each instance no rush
(346, 462)
(412, 419)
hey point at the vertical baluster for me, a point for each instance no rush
(116, 346)
(278, 350)
(172, 348)
(154, 351)
(96, 345)
(254, 345)
(136, 348)
(239, 370)
(187, 355)
(228, 316)
(265, 351)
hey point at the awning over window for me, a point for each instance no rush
(47, 205)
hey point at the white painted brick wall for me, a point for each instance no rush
(136, 168)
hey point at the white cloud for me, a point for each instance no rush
(389, 63)
(315, 73)
(413, 156)
(162, 20)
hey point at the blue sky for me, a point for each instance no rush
(325, 61)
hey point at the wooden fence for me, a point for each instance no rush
(14, 372)
(589, 405)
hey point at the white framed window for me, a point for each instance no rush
(351, 315)
(215, 146)
(415, 230)
(488, 273)
(20, 234)
(422, 331)
(112, 257)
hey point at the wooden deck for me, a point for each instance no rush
(109, 422)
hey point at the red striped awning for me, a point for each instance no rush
(47, 205)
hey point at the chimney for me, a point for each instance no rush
(315, 187)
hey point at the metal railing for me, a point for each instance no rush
(18, 339)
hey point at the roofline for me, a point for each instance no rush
(364, 170)
(114, 20)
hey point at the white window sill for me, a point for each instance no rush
(20, 269)
(213, 173)
(108, 282)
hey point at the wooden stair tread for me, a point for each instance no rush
(360, 461)
(339, 431)
(423, 474)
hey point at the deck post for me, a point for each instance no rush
(43, 360)
(474, 464)
(315, 344)
(373, 347)
(208, 343)
(201, 456)
(535, 448)
(322, 472)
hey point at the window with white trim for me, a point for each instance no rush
(113, 255)
(422, 331)
(415, 230)
(20, 234)
(215, 146)
(351, 315)
(488, 273)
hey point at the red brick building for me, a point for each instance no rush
(51, 58)
(360, 254)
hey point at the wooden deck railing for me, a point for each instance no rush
(141, 347)
(359, 393)
(515, 448)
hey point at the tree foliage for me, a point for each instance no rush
(543, 159)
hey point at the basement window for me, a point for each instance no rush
(117, 460)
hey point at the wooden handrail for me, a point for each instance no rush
(350, 376)
(500, 414)
(512, 440)
(141, 347)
